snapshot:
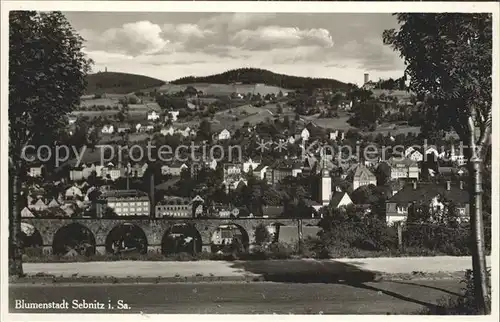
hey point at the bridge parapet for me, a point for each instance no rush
(154, 229)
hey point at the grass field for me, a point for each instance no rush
(133, 137)
(385, 129)
(236, 117)
(225, 89)
(99, 101)
(331, 123)
(94, 114)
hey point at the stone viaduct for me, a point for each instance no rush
(154, 229)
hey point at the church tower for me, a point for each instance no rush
(326, 184)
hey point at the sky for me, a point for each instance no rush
(168, 45)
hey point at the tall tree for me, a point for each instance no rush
(47, 71)
(449, 60)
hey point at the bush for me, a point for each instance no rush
(33, 252)
(262, 235)
(280, 251)
(315, 248)
(464, 304)
(440, 238)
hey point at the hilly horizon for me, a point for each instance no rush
(257, 75)
(124, 83)
(119, 83)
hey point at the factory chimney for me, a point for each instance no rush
(367, 78)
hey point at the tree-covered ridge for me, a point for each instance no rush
(256, 75)
(119, 83)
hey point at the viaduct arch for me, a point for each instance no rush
(154, 229)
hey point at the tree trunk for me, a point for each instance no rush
(15, 237)
(477, 231)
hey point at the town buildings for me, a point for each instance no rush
(360, 176)
(282, 169)
(403, 168)
(124, 203)
(433, 195)
(174, 207)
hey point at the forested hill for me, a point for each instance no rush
(119, 83)
(255, 76)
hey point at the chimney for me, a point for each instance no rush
(367, 78)
(448, 185)
(152, 194)
(414, 185)
(461, 185)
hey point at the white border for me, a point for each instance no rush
(244, 6)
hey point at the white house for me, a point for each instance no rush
(26, 213)
(224, 135)
(457, 157)
(305, 134)
(433, 150)
(173, 115)
(409, 151)
(72, 120)
(153, 115)
(334, 135)
(107, 129)
(212, 164)
(73, 192)
(260, 171)
(340, 199)
(167, 131)
(53, 203)
(416, 156)
(35, 171)
(38, 205)
(186, 132)
(233, 185)
(114, 173)
(250, 165)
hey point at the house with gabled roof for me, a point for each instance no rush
(403, 168)
(173, 115)
(153, 115)
(38, 205)
(73, 192)
(260, 171)
(36, 170)
(434, 195)
(224, 135)
(27, 213)
(124, 128)
(53, 203)
(167, 131)
(340, 199)
(250, 165)
(282, 169)
(108, 129)
(175, 168)
(360, 176)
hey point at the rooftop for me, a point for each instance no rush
(426, 191)
(123, 194)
